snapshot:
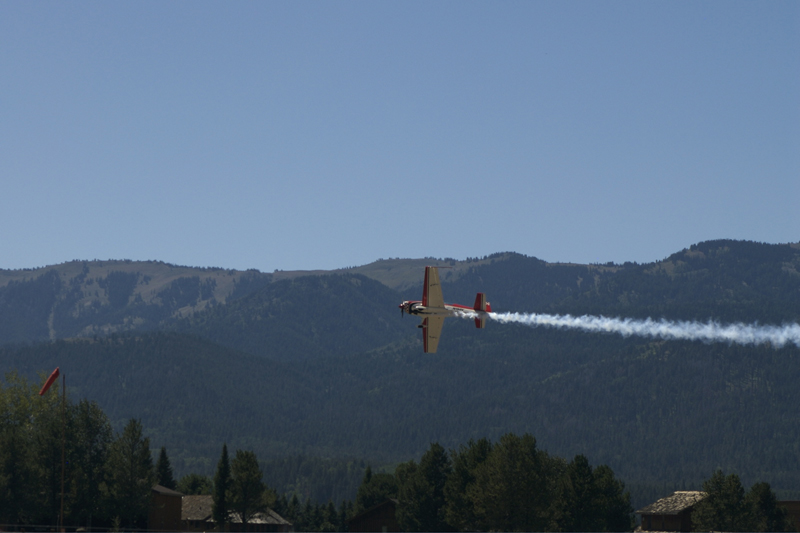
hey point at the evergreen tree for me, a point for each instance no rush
(305, 517)
(46, 441)
(313, 515)
(459, 510)
(581, 497)
(222, 482)
(403, 475)
(247, 487)
(615, 501)
(293, 511)
(375, 489)
(16, 476)
(765, 513)
(592, 499)
(330, 518)
(345, 512)
(281, 505)
(92, 438)
(164, 470)
(724, 508)
(422, 496)
(269, 498)
(367, 475)
(18, 410)
(131, 476)
(195, 484)
(511, 492)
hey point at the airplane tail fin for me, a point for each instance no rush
(482, 306)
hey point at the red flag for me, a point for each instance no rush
(50, 380)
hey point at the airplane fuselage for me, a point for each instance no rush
(416, 308)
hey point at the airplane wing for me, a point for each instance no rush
(431, 331)
(432, 290)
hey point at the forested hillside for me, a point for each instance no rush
(87, 298)
(723, 280)
(304, 318)
(655, 412)
(325, 367)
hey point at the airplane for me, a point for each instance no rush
(433, 310)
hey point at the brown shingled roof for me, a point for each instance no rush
(196, 507)
(679, 501)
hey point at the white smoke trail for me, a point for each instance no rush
(739, 333)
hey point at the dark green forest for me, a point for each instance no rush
(705, 406)
(107, 477)
(728, 507)
(319, 376)
(508, 485)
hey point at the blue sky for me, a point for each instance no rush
(305, 135)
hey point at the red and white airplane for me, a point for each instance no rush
(433, 309)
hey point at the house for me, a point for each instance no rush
(673, 513)
(196, 515)
(165, 509)
(378, 518)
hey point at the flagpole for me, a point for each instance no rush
(63, 444)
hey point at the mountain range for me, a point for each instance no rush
(321, 364)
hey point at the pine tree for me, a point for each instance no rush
(724, 509)
(17, 473)
(511, 492)
(307, 516)
(375, 489)
(222, 482)
(164, 470)
(330, 518)
(615, 501)
(459, 510)
(591, 499)
(46, 448)
(582, 497)
(281, 505)
(247, 487)
(345, 512)
(195, 484)
(92, 442)
(131, 475)
(765, 513)
(421, 495)
(293, 511)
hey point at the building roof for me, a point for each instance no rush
(671, 505)
(196, 507)
(201, 507)
(268, 517)
(161, 489)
